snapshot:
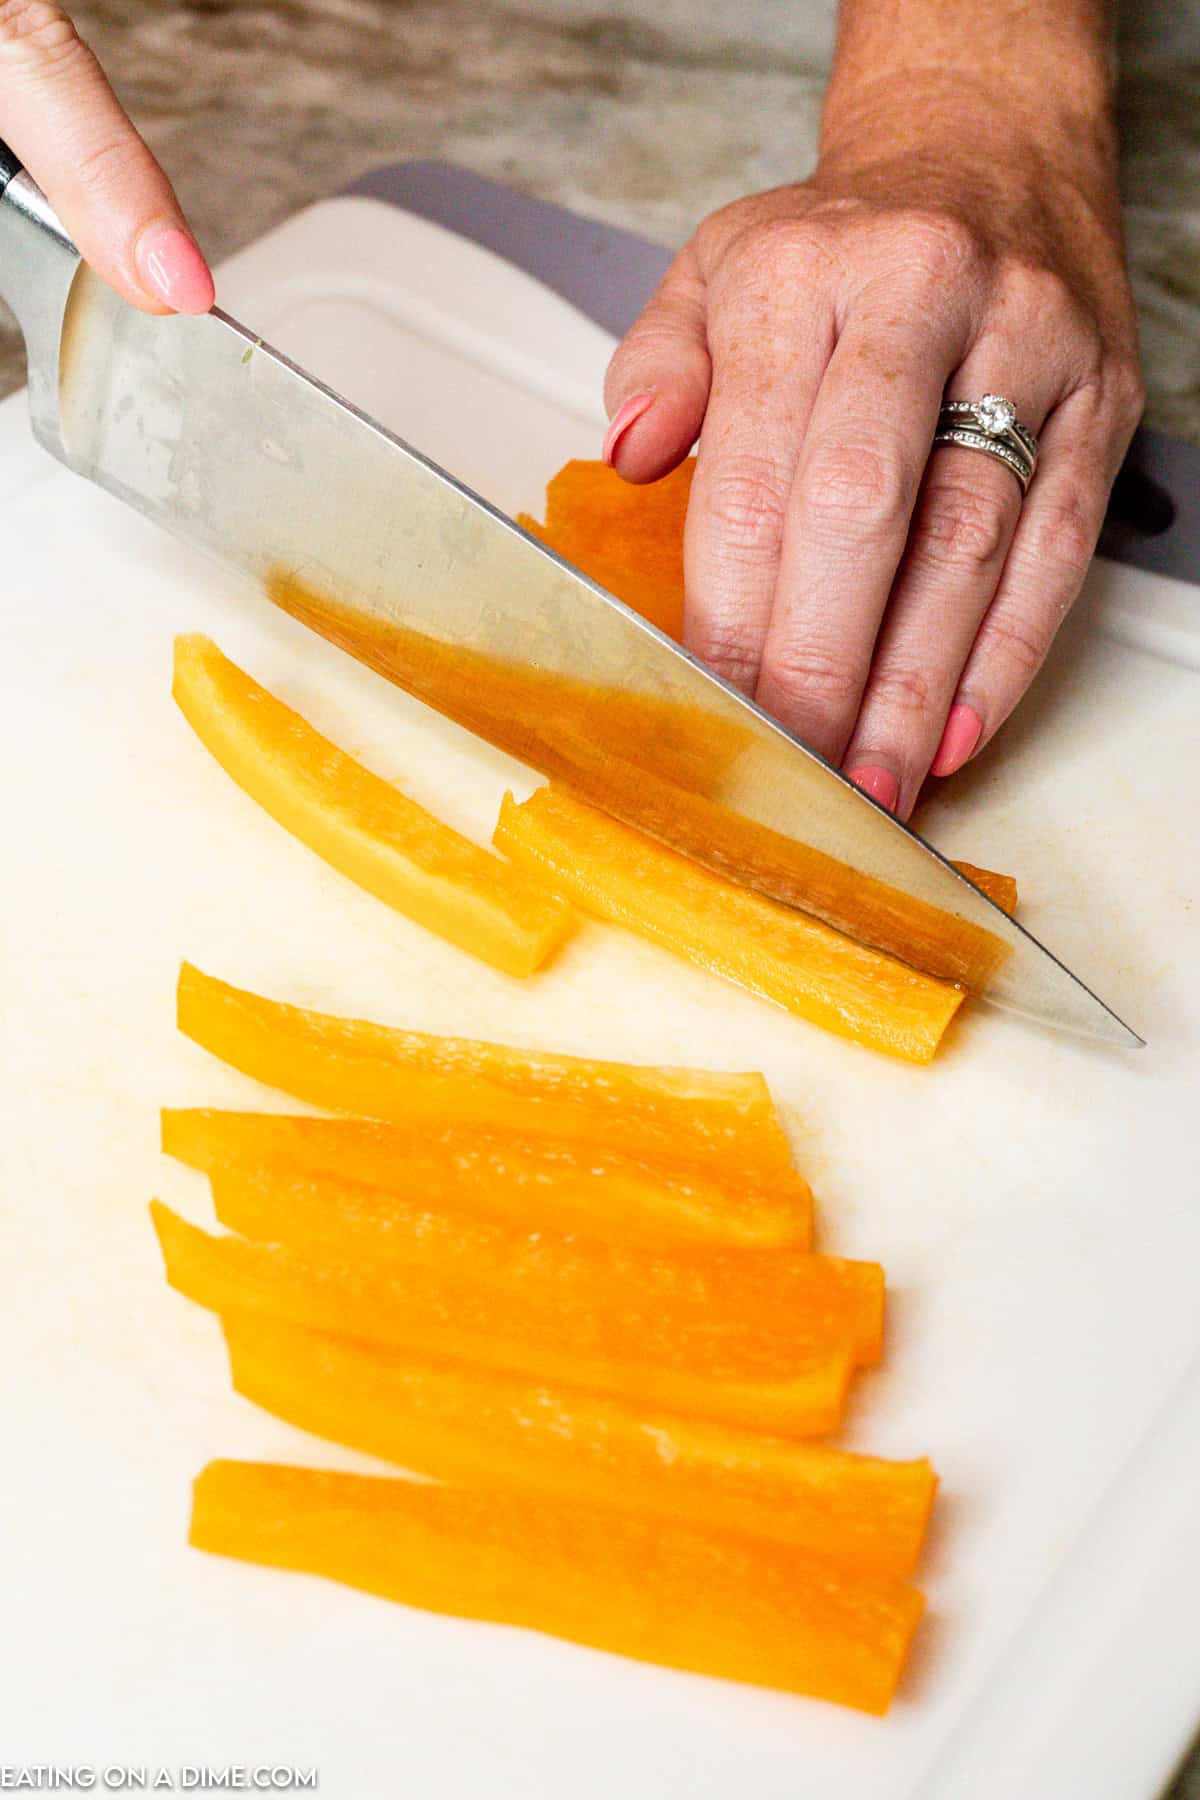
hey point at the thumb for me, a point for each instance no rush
(68, 127)
(657, 384)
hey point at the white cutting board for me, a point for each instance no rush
(1034, 1199)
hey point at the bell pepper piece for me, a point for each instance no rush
(661, 602)
(474, 1425)
(1001, 890)
(558, 723)
(416, 1080)
(555, 1185)
(729, 1308)
(363, 826)
(932, 939)
(619, 875)
(629, 539)
(413, 1309)
(682, 1596)
(642, 523)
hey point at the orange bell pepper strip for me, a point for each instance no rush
(553, 1184)
(411, 1078)
(556, 722)
(678, 1595)
(1001, 890)
(495, 1430)
(411, 1308)
(933, 939)
(363, 826)
(640, 523)
(629, 539)
(738, 1308)
(619, 875)
(661, 602)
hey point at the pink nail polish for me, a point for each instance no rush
(964, 728)
(881, 784)
(626, 415)
(173, 269)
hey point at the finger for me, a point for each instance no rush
(656, 388)
(771, 339)
(856, 484)
(66, 124)
(962, 527)
(1052, 547)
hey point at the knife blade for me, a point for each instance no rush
(203, 427)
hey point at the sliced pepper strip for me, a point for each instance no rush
(659, 601)
(361, 825)
(681, 1596)
(691, 1309)
(412, 1309)
(617, 874)
(629, 539)
(640, 524)
(414, 1079)
(556, 722)
(547, 1183)
(1001, 890)
(475, 1425)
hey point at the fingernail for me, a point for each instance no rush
(964, 728)
(173, 270)
(622, 419)
(881, 784)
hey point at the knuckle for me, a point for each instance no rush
(900, 689)
(94, 169)
(1127, 390)
(771, 251)
(941, 244)
(1062, 540)
(728, 649)
(34, 32)
(806, 672)
(1091, 407)
(855, 488)
(960, 528)
(649, 346)
(655, 330)
(1018, 643)
(746, 508)
(721, 228)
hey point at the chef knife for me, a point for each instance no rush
(206, 429)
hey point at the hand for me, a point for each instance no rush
(888, 605)
(65, 123)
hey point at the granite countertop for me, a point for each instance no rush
(640, 112)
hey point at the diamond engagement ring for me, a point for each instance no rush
(990, 425)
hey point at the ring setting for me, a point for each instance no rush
(990, 424)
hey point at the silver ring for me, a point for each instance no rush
(990, 424)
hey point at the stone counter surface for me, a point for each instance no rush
(646, 113)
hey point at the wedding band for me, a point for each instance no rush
(990, 425)
(1021, 467)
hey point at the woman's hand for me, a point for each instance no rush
(65, 123)
(889, 605)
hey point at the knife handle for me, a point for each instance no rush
(38, 266)
(10, 165)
